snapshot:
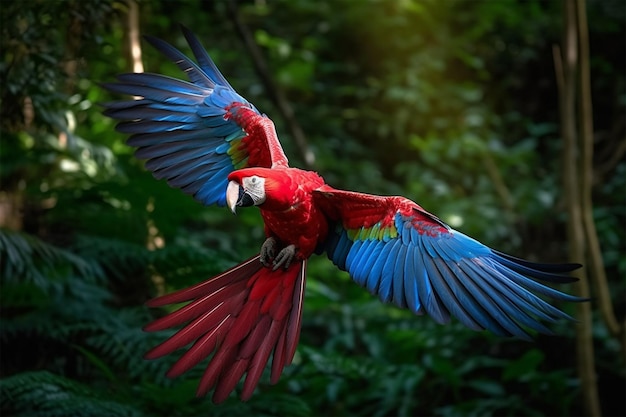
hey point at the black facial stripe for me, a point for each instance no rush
(244, 199)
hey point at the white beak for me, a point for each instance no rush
(232, 195)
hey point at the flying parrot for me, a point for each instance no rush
(203, 137)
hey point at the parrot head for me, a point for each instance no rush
(256, 186)
(249, 192)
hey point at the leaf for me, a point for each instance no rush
(443, 367)
(485, 386)
(43, 393)
(97, 362)
(524, 366)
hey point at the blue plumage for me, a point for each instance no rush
(398, 284)
(197, 75)
(368, 259)
(430, 268)
(182, 128)
(205, 61)
(353, 255)
(386, 279)
(411, 277)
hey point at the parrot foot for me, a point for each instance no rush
(284, 257)
(268, 251)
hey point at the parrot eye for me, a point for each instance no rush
(255, 187)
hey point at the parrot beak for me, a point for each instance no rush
(236, 196)
(232, 195)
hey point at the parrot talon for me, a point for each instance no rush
(268, 251)
(284, 257)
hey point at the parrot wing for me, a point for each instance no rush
(240, 316)
(407, 256)
(193, 134)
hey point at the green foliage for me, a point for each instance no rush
(23, 257)
(451, 103)
(404, 365)
(45, 394)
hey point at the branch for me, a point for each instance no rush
(275, 93)
(596, 267)
(566, 65)
(609, 159)
(134, 42)
(499, 184)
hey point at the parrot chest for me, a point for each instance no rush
(302, 225)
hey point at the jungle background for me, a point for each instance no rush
(504, 118)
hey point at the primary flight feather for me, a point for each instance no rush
(203, 137)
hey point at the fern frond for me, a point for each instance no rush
(44, 394)
(180, 261)
(24, 257)
(117, 257)
(184, 263)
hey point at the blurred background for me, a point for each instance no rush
(473, 109)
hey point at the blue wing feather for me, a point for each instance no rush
(533, 304)
(411, 277)
(459, 303)
(456, 303)
(367, 262)
(158, 115)
(517, 306)
(183, 171)
(149, 126)
(147, 140)
(422, 264)
(385, 287)
(161, 94)
(495, 305)
(493, 318)
(188, 130)
(195, 73)
(342, 249)
(375, 275)
(166, 148)
(209, 192)
(353, 253)
(359, 254)
(399, 297)
(205, 61)
(180, 158)
(428, 297)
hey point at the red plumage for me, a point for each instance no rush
(241, 316)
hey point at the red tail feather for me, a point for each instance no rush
(240, 316)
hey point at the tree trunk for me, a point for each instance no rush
(134, 40)
(576, 173)
(594, 256)
(275, 93)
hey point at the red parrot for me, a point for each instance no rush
(204, 138)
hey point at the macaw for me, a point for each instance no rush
(203, 137)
